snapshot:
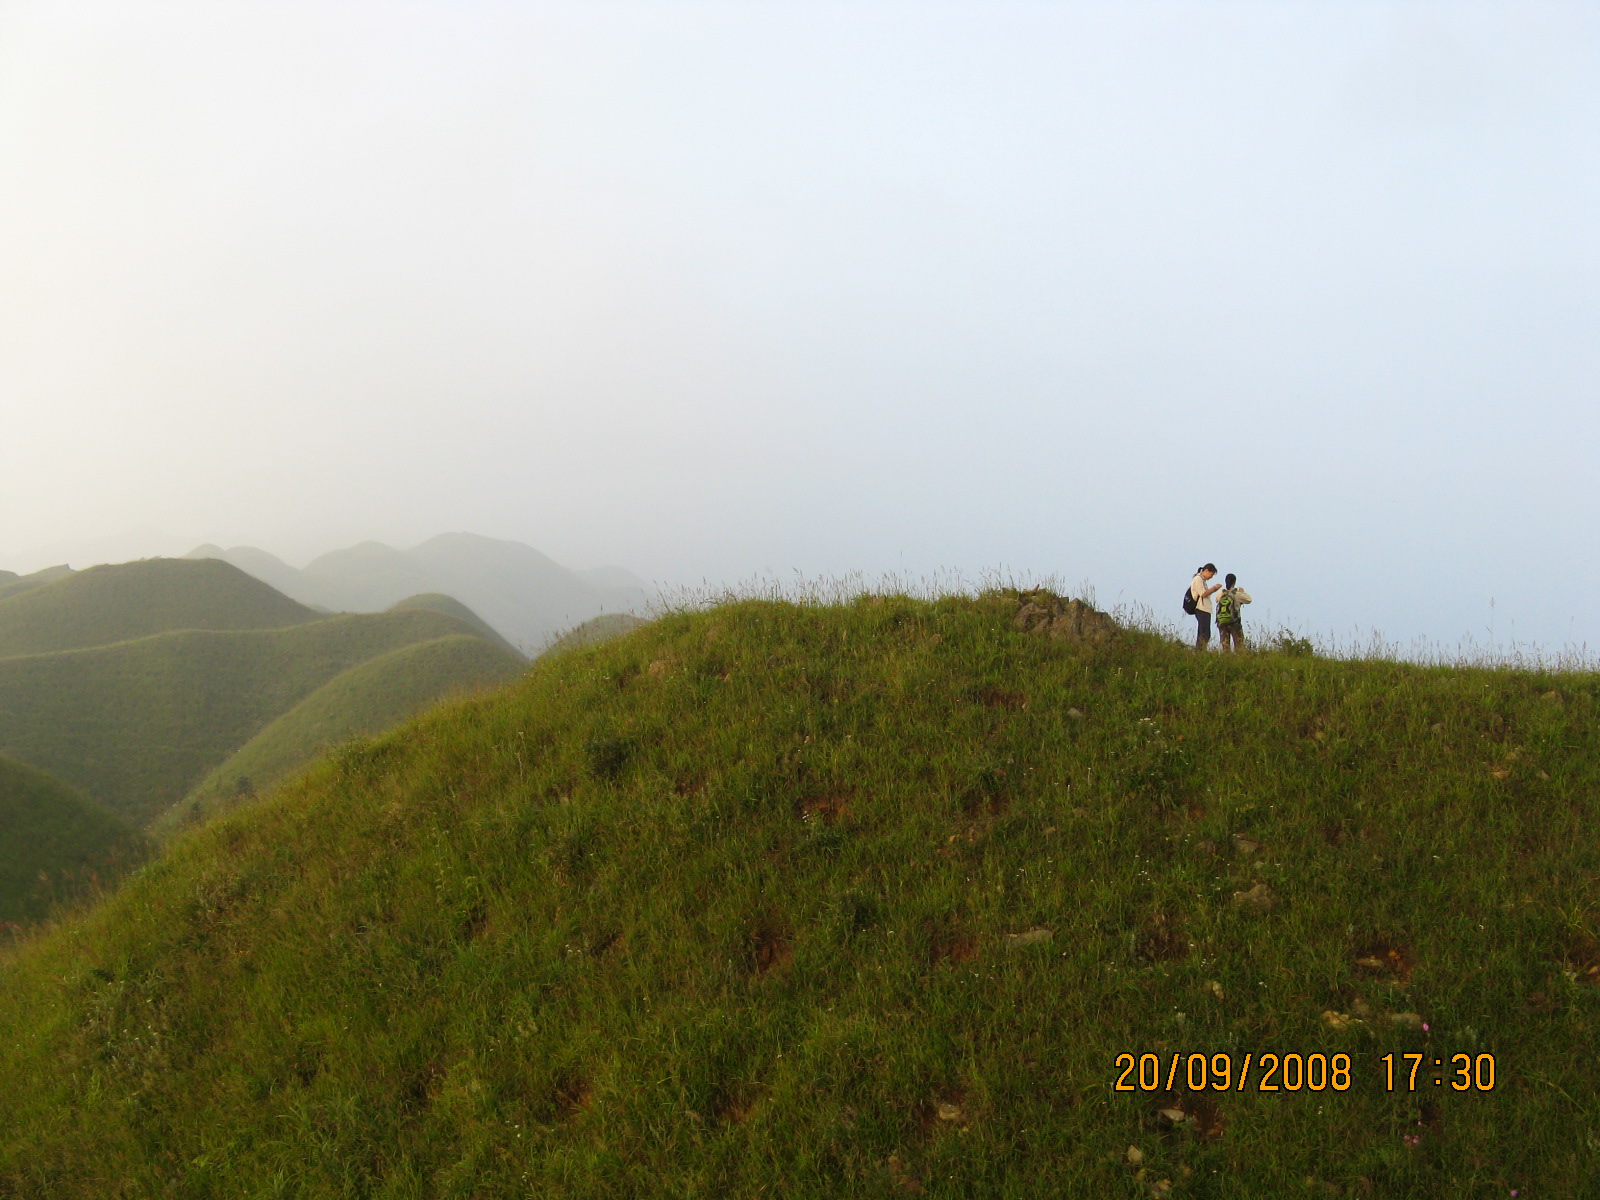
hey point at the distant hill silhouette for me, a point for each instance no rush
(55, 842)
(525, 595)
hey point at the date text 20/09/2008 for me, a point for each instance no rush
(1295, 1072)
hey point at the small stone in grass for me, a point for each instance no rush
(1260, 899)
(1031, 937)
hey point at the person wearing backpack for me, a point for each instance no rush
(1198, 603)
(1230, 622)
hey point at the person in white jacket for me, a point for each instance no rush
(1230, 623)
(1201, 594)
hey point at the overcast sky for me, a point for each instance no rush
(705, 290)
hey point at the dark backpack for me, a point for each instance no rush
(1188, 601)
(1227, 608)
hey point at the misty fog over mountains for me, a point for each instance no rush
(526, 596)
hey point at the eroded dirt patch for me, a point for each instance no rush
(770, 948)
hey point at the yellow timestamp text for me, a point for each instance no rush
(1462, 1072)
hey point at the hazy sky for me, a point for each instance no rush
(1100, 290)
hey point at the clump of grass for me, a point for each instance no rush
(853, 898)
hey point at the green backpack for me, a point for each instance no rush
(1227, 608)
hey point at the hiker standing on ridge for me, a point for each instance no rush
(1200, 595)
(1230, 622)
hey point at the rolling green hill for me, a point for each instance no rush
(434, 602)
(57, 843)
(115, 603)
(139, 723)
(883, 899)
(364, 700)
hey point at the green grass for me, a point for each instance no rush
(139, 723)
(59, 844)
(728, 907)
(364, 700)
(111, 604)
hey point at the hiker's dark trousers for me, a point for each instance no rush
(1202, 637)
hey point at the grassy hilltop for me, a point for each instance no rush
(435, 602)
(117, 603)
(864, 900)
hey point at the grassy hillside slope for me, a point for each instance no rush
(115, 603)
(57, 843)
(856, 901)
(364, 700)
(136, 725)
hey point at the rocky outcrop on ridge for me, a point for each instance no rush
(1061, 620)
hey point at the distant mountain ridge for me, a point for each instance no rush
(526, 596)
